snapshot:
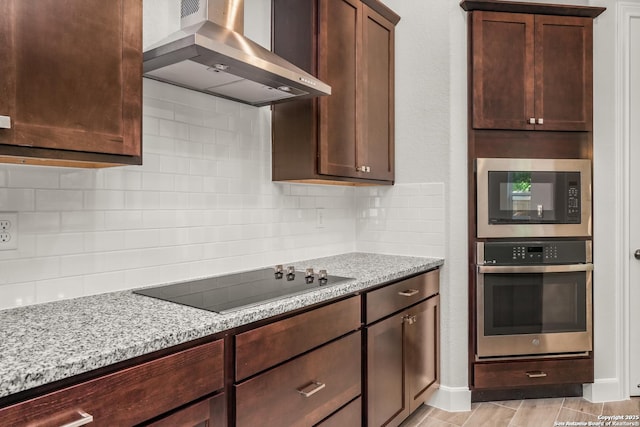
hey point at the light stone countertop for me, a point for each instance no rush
(47, 342)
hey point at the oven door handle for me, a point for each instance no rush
(565, 268)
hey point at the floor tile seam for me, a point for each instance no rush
(473, 411)
(508, 407)
(428, 412)
(564, 399)
(582, 412)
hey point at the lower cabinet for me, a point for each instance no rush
(403, 352)
(133, 395)
(302, 370)
(304, 391)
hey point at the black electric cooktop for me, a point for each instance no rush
(232, 292)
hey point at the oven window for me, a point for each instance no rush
(534, 303)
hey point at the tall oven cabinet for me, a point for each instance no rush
(530, 80)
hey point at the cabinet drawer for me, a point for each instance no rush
(330, 377)
(261, 348)
(389, 299)
(350, 415)
(129, 396)
(530, 373)
(210, 412)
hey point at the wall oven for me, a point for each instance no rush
(534, 298)
(533, 197)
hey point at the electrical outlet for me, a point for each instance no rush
(8, 231)
(320, 218)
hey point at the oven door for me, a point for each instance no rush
(534, 310)
(533, 197)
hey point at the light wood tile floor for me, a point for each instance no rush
(570, 411)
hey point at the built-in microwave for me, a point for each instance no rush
(533, 197)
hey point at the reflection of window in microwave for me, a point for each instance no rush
(529, 195)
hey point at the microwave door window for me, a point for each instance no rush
(523, 197)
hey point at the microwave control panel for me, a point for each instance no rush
(532, 253)
(573, 202)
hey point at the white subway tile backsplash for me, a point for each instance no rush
(26, 177)
(17, 294)
(17, 199)
(58, 200)
(202, 203)
(59, 289)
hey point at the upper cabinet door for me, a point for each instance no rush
(532, 72)
(503, 70)
(338, 65)
(564, 72)
(376, 147)
(73, 78)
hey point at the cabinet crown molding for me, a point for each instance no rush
(537, 8)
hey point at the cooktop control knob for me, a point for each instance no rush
(278, 271)
(291, 272)
(322, 277)
(308, 275)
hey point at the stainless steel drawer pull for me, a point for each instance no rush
(409, 292)
(311, 389)
(84, 420)
(536, 374)
(5, 122)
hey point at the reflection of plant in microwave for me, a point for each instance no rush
(521, 182)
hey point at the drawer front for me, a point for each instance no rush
(129, 396)
(397, 296)
(209, 412)
(531, 373)
(350, 415)
(261, 348)
(305, 390)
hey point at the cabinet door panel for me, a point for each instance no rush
(340, 28)
(76, 82)
(422, 350)
(564, 50)
(376, 149)
(503, 71)
(386, 402)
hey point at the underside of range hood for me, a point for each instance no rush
(210, 54)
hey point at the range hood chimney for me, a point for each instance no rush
(210, 54)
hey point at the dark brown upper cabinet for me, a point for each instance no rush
(71, 82)
(347, 137)
(531, 72)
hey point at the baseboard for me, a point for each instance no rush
(604, 390)
(451, 399)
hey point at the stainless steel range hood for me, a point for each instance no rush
(210, 54)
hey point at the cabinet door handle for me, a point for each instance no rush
(540, 121)
(409, 292)
(84, 420)
(311, 389)
(532, 121)
(5, 122)
(536, 374)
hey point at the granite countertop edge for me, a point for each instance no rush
(34, 353)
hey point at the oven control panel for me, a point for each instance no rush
(531, 253)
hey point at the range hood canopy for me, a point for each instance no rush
(210, 54)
